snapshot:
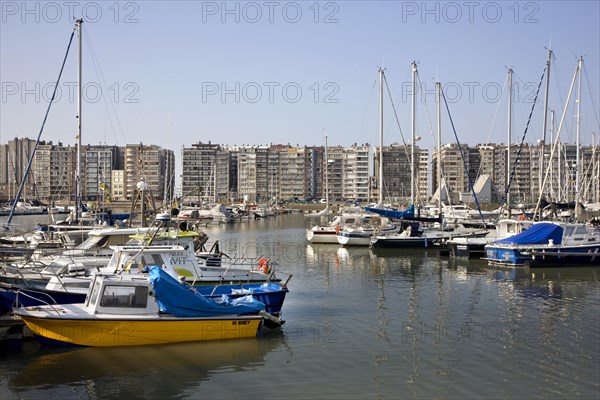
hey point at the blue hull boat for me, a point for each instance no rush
(546, 244)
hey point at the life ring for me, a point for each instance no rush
(522, 217)
(263, 266)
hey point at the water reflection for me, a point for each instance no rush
(113, 372)
(361, 324)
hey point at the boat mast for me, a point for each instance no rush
(79, 25)
(557, 138)
(380, 137)
(559, 178)
(552, 178)
(412, 140)
(510, 74)
(438, 90)
(326, 174)
(31, 156)
(215, 183)
(543, 144)
(578, 157)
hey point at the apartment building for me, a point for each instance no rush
(199, 171)
(212, 172)
(97, 165)
(14, 157)
(397, 173)
(55, 169)
(152, 164)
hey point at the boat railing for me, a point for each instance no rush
(35, 269)
(36, 299)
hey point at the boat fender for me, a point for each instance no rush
(271, 321)
(263, 265)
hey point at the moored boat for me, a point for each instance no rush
(557, 242)
(327, 234)
(132, 311)
(360, 235)
(474, 247)
(127, 260)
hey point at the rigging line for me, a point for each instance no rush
(98, 69)
(428, 121)
(426, 109)
(493, 122)
(408, 157)
(556, 140)
(514, 167)
(362, 123)
(394, 109)
(561, 96)
(462, 157)
(396, 117)
(12, 209)
(595, 109)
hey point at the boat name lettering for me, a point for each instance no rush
(179, 260)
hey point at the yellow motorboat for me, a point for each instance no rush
(127, 310)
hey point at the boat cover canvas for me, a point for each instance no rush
(539, 233)
(183, 301)
(406, 214)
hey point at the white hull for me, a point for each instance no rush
(346, 240)
(324, 235)
(361, 237)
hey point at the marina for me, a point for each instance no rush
(397, 323)
(345, 200)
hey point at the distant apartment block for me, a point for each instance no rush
(152, 164)
(14, 158)
(397, 173)
(55, 172)
(213, 172)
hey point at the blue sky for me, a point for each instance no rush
(175, 73)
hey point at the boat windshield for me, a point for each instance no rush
(93, 241)
(124, 296)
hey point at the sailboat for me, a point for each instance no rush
(327, 233)
(552, 243)
(411, 235)
(325, 211)
(361, 235)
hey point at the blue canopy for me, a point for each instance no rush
(406, 214)
(183, 301)
(539, 233)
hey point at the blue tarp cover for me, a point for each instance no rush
(183, 301)
(408, 213)
(539, 233)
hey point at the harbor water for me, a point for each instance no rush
(399, 324)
